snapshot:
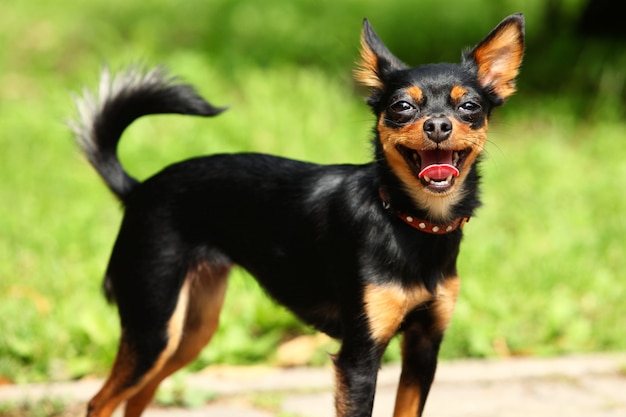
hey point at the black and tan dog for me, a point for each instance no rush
(360, 252)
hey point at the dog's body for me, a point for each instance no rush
(360, 252)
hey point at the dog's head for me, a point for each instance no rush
(432, 119)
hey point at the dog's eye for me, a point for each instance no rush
(401, 111)
(470, 107)
(469, 111)
(401, 106)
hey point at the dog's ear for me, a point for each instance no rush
(376, 61)
(497, 58)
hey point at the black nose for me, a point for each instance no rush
(438, 129)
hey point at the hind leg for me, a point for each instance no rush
(141, 355)
(205, 286)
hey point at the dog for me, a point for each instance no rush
(360, 252)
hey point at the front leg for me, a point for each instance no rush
(356, 372)
(423, 333)
(367, 334)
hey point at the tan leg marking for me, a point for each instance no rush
(206, 289)
(409, 395)
(443, 306)
(341, 393)
(408, 400)
(116, 388)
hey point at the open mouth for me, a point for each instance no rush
(436, 168)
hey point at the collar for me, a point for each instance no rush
(423, 224)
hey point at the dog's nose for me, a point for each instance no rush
(438, 129)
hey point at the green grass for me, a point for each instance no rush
(541, 263)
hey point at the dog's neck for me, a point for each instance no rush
(423, 225)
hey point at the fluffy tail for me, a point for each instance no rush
(122, 99)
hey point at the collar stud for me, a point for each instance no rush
(423, 224)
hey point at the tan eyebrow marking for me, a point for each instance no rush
(457, 92)
(416, 93)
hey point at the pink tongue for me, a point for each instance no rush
(437, 165)
(439, 171)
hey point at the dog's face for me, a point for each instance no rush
(432, 119)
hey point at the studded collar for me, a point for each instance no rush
(423, 224)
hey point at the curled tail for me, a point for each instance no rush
(121, 100)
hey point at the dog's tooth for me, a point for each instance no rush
(427, 179)
(455, 157)
(449, 179)
(415, 156)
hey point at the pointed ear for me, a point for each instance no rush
(498, 57)
(376, 61)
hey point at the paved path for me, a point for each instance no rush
(590, 386)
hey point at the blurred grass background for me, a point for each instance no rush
(542, 263)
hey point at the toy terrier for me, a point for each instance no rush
(360, 252)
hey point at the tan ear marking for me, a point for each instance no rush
(499, 58)
(366, 72)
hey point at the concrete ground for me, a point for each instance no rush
(589, 385)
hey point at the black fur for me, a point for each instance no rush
(318, 238)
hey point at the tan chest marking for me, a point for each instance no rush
(387, 305)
